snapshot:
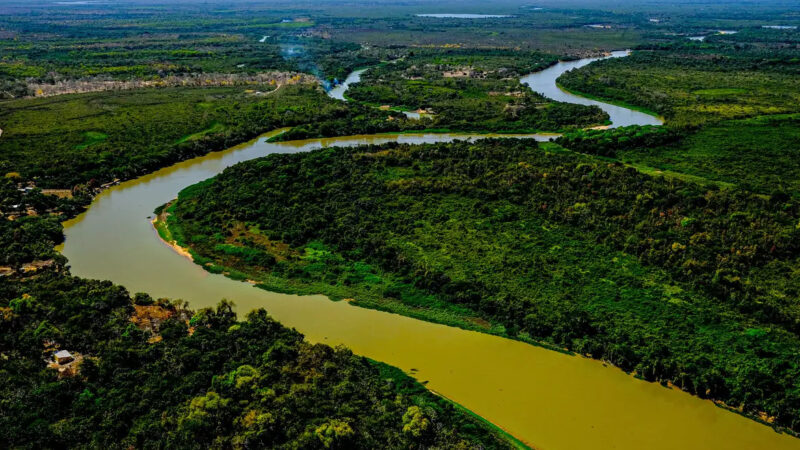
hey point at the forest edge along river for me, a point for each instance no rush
(544, 82)
(548, 399)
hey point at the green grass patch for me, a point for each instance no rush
(759, 154)
(215, 127)
(720, 92)
(691, 85)
(91, 138)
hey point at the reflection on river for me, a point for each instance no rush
(548, 399)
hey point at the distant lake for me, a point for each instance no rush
(465, 16)
(780, 27)
(703, 38)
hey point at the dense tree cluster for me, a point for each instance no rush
(758, 154)
(152, 373)
(609, 142)
(472, 89)
(672, 280)
(68, 140)
(34, 232)
(197, 380)
(692, 83)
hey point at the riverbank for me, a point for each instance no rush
(170, 233)
(491, 85)
(530, 134)
(459, 283)
(611, 102)
(164, 229)
(517, 443)
(160, 225)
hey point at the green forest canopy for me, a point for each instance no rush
(672, 280)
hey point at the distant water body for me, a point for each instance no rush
(465, 16)
(728, 32)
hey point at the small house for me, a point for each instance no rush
(64, 357)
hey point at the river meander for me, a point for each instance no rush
(547, 399)
(544, 82)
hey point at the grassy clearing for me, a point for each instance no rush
(215, 127)
(91, 138)
(760, 154)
